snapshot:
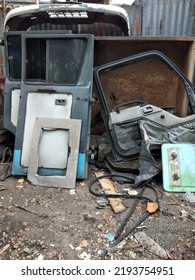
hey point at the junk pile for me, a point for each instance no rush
(136, 129)
(53, 150)
(144, 140)
(49, 87)
(141, 139)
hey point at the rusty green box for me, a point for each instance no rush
(178, 167)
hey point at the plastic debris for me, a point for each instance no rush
(101, 202)
(21, 183)
(21, 180)
(72, 192)
(85, 256)
(132, 192)
(71, 246)
(109, 236)
(190, 197)
(78, 248)
(184, 214)
(40, 257)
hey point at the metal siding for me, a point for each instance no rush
(135, 17)
(164, 18)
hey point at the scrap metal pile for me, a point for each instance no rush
(50, 82)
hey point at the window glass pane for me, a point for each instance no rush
(65, 60)
(36, 59)
(55, 61)
(14, 56)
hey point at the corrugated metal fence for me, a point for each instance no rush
(166, 18)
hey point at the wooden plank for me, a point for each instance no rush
(116, 203)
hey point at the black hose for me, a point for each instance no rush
(118, 236)
(115, 195)
(130, 229)
(129, 214)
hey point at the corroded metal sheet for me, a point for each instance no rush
(164, 18)
(178, 161)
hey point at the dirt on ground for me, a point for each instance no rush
(38, 222)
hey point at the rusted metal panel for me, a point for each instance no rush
(178, 167)
(168, 18)
(153, 18)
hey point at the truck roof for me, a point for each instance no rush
(22, 18)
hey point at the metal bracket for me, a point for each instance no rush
(68, 181)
